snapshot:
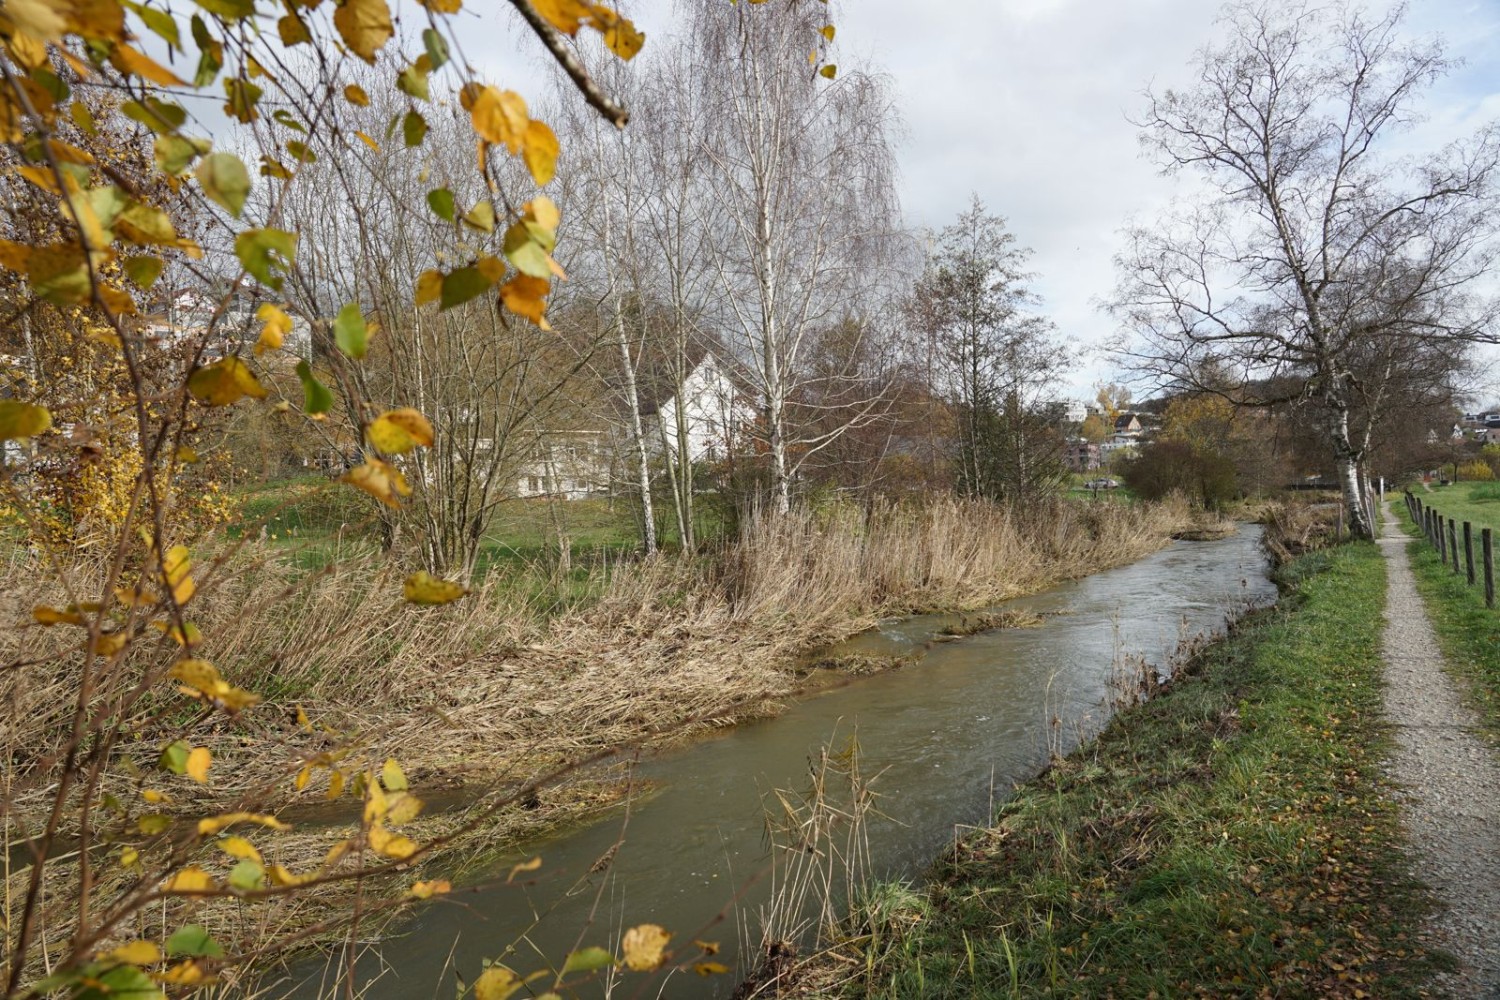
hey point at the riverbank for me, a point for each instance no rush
(485, 705)
(1234, 836)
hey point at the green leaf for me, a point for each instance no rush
(285, 117)
(161, 23)
(588, 960)
(349, 331)
(243, 97)
(143, 270)
(20, 420)
(413, 128)
(159, 116)
(522, 250)
(437, 47)
(301, 151)
(247, 876)
(413, 81)
(440, 200)
(316, 397)
(175, 152)
(123, 982)
(266, 253)
(462, 285)
(481, 217)
(225, 180)
(153, 824)
(231, 10)
(175, 756)
(193, 941)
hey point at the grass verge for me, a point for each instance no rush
(1233, 837)
(1467, 631)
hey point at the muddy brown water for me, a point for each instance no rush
(948, 736)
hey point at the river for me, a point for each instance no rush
(947, 736)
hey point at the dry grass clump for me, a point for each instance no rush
(1297, 526)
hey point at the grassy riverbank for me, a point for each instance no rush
(1468, 632)
(1232, 837)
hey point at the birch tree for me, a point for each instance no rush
(803, 209)
(1314, 250)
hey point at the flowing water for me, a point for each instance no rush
(948, 736)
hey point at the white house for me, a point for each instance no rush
(715, 410)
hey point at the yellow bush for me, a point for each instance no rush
(1477, 470)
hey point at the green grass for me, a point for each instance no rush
(1231, 838)
(1477, 503)
(1467, 631)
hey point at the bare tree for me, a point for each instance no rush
(803, 207)
(994, 359)
(1312, 260)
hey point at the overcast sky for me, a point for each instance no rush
(1026, 102)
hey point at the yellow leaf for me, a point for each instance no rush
(280, 876)
(188, 973)
(429, 287)
(376, 804)
(397, 432)
(391, 845)
(392, 777)
(19, 420)
(239, 847)
(645, 947)
(133, 63)
(50, 616)
(710, 968)
(564, 15)
(442, 6)
(110, 643)
(198, 763)
(404, 807)
(174, 569)
(829, 72)
(623, 39)
(277, 325)
(154, 797)
(827, 32)
(129, 856)
(190, 879)
(211, 825)
(293, 30)
(381, 480)
(542, 211)
(500, 117)
(137, 953)
(367, 140)
(303, 777)
(481, 217)
(540, 152)
(426, 890)
(365, 26)
(224, 382)
(335, 785)
(527, 297)
(496, 983)
(355, 94)
(424, 588)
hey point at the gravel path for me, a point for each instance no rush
(1452, 783)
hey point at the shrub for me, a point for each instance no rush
(1476, 471)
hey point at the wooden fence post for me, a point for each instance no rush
(1453, 544)
(1469, 552)
(1487, 552)
(1442, 539)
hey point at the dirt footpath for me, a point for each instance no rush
(1451, 781)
